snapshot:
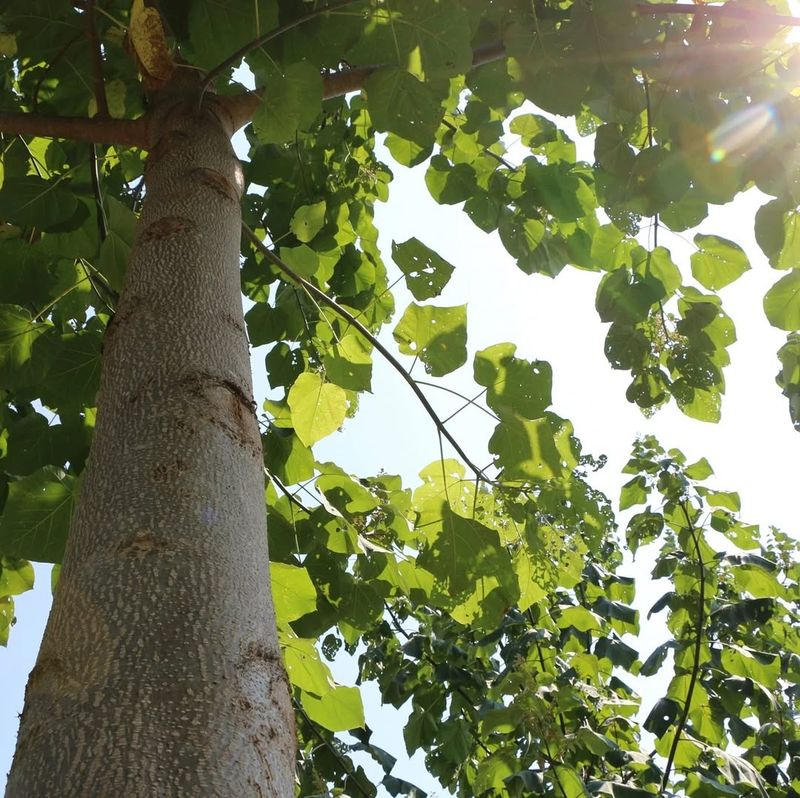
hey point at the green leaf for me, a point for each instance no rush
(653, 663)
(662, 716)
(303, 664)
(318, 408)
(18, 332)
(533, 449)
(6, 618)
(718, 261)
(338, 709)
(115, 249)
(568, 781)
(436, 335)
(762, 668)
(513, 385)
(36, 518)
(407, 152)
(782, 302)
(308, 220)
(461, 552)
(699, 470)
(293, 592)
(16, 576)
(426, 272)
(217, 29)
(292, 103)
(493, 771)
(72, 365)
(429, 39)
(633, 492)
(399, 103)
(581, 619)
(349, 363)
(33, 443)
(33, 202)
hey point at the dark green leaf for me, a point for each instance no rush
(426, 272)
(36, 517)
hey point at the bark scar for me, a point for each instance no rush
(238, 410)
(217, 182)
(142, 543)
(167, 226)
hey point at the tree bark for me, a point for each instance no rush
(160, 671)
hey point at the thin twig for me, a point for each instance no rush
(346, 766)
(466, 399)
(698, 643)
(234, 58)
(102, 219)
(287, 493)
(391, 359)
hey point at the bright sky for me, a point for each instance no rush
(753, 449)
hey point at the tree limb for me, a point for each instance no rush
(133, 132)
(130, 132)
(335, 84)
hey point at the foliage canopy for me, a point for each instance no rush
(487, 600)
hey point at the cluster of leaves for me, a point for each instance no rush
(492, 600)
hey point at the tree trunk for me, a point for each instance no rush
(160, 671)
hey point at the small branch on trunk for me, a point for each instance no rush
(335, 84)
(130, 132)
(720, 12)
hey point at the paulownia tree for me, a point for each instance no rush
(488, 597)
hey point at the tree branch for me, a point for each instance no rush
(130, 132)
(335, 84)
(322, 297)
(722, 12)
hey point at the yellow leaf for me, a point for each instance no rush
(149, 41)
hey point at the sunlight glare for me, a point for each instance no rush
(743, 133)
(793, 36)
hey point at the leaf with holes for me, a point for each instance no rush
(426, 272)
(437, 336)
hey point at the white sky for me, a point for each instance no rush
(753, 449)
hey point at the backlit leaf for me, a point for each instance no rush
(318, 408)
(436, 335)
(718, 261)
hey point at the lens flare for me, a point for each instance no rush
(744, 133)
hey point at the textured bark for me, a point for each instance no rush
(160, 671)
